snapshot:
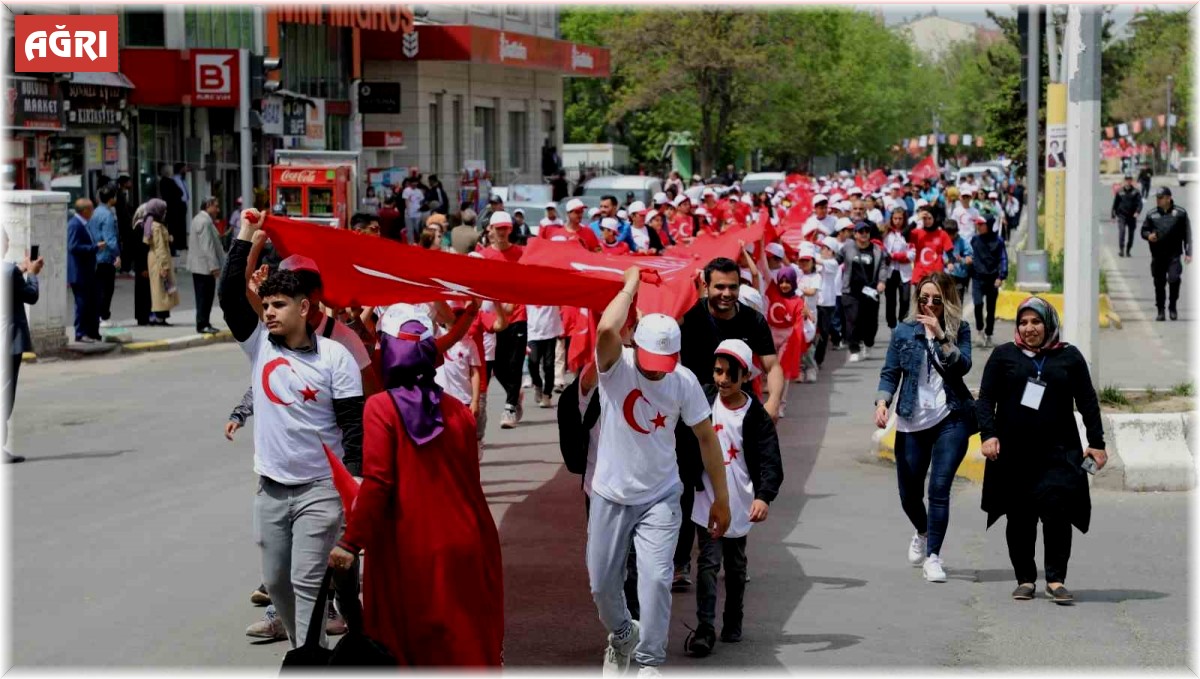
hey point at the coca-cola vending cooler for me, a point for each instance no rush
(318, 194)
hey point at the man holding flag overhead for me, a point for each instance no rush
(307, 395)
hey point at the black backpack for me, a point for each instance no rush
(573, 429)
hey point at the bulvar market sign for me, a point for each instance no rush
(34, 104)
(387, 18)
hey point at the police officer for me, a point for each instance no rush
(1170, 235)
(1126, 207)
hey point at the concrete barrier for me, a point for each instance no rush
(1154, 450)
(1008, 301)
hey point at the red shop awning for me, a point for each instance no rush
(479, 45)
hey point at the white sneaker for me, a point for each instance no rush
(619, 651)
(933, 569)
(916, 549)
(866, 353)
(810, 375)
(106, 324)
(649, 671)
(855, 357)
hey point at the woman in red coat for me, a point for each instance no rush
(433, 588)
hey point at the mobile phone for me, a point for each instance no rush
(1089, 464)
(33, 253)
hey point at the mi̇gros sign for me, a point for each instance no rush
(73, 43)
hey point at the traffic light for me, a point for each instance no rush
(260, 68)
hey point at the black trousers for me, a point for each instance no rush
(541, 364)
(106, 279)
(896, 299)
(1021, 534)
(1166, 271)
(206, 291)
(87, 319)
(825, 333)
(862, 320)
(631, 591)
(510, 356)
(1126, 227)
(141, 298)
(733, 551)
(687, 529)
(10, 385)
(961, 285)
(985, 293)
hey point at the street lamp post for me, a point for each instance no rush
(1170, 86)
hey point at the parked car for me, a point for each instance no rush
(979, 170)
(756, 182)
(1189, 171)
(643, 188)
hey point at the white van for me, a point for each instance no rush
(1189, 171)
(643, 188)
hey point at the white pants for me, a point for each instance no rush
(653, 529)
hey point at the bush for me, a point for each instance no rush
(1112, 396)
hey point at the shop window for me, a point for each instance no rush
(489, 10)
(516, 12)
(456, 123)
(546, 15)
(518, 139)
(435, 138)
(143, 28)
(219, 27)
(316, 60)
(486, 137)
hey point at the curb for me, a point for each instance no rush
(1154, 449)
(1008, 301)
(185, 342)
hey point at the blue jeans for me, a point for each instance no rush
(942, 448)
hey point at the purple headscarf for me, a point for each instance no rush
(787, 273)
(408, 369)
(153, 210)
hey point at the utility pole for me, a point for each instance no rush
(1032, 264)
(1081, 278)
(1052, 44)
(937, 128)
(1170, 86)
(246, 144)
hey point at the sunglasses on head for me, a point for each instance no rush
(930, 301)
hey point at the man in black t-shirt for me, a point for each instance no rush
(715, 318)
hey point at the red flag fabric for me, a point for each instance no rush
(359, 270)
(924, 170)
(876, 180)
(346, 486)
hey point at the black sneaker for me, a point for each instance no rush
(1161, 316)
(1023, 592)
(731, 632)
(1060, 596)
(1174, 315)
(700, 642)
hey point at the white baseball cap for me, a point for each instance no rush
(681, 199)
(708, 192)
(575, 204)
(845, 206)
(610, 224)
(740, 352)
(546, 221)
(702, 212)
(921, 202)
(831, 243)
(660, 198)
(593, 212)
(993, 194)
(843, 223)
(621, 214)
(500, 218)
(855, 191)
(551, 206)
(658, 339)
(808, 250)
(966, 190)
(636, 207)
(836, 198)
(397, 315)
(750, 297)
(777, 250)
(519, 211)
(818, 199)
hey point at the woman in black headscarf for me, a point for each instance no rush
(1031, 388)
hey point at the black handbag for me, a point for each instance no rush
(956, 383)
(355, 649)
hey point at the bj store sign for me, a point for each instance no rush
(75, 43)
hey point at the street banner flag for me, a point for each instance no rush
(979, 142)
(1162, 147)
(904, 143)
(954, 140)
(924, 141)
(1172, 120)
(1109, 132)
(1137, 126)
(941, 140)
(924, 170)
(968, 140)
(359, 271)
(1123, 129)
(346, 486)
(1162, 119)
(1148, 124)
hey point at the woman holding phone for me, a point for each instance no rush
(926, 360)
(1036, 463)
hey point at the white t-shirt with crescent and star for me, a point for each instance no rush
(454, 374)
(635, 458)
(293, 405)
(728, 423)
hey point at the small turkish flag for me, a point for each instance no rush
(346, 486)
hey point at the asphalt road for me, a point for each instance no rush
(131, 543)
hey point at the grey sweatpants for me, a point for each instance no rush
(653, 529)
(296, 527)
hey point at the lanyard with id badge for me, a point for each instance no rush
(1035, 388)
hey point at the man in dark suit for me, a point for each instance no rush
(81, 272)
(437, 193)
(22, 290)
(125, 222)
(171, 190)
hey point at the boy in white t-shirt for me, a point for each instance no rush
(753, 473)
(636, 488)
(460, 374)
(545, 326)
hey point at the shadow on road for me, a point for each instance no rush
(76, 456)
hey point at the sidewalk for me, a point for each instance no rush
(181, 334)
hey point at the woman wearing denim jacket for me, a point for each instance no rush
(926, 361)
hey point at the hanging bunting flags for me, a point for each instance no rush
(924, 141)
(1162, 120)
(966, 140)
(979, 142)
(1123, 129)
(1108, 132)
(1137, 126)
(941, 138)
(1148, 124)
(954, 140)
(1172, 120)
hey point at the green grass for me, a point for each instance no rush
(1112, 396)
(1183, 389)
